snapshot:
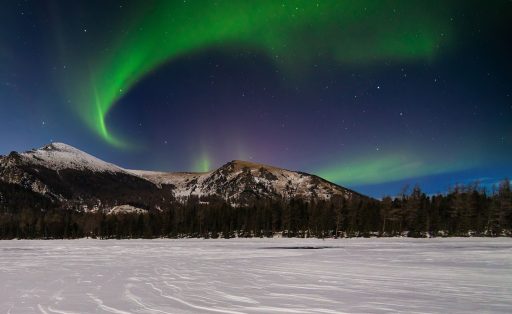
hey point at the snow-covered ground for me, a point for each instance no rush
(257, 276)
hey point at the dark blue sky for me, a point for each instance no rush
(374, 125)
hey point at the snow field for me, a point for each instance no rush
(257, 276)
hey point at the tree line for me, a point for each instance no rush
(466, 210)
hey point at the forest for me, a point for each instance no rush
(466, 210)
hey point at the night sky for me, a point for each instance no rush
(372, 95)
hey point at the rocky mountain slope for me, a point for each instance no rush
(66, 175)
(241, 182)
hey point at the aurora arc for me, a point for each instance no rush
(388, 168)
(291, 33)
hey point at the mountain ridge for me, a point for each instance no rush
(66, 174)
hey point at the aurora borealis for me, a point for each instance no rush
(170, 29)
(372, 95)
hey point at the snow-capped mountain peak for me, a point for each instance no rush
(59, 156)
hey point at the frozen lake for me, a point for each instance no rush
(257, 276)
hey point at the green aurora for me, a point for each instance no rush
(292, 33)
(388, 168)
(202, 164)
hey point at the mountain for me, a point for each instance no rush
(68, 176)
(242, 182)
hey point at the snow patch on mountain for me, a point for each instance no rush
(126, 209)
(168, 178)
(185, 184)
